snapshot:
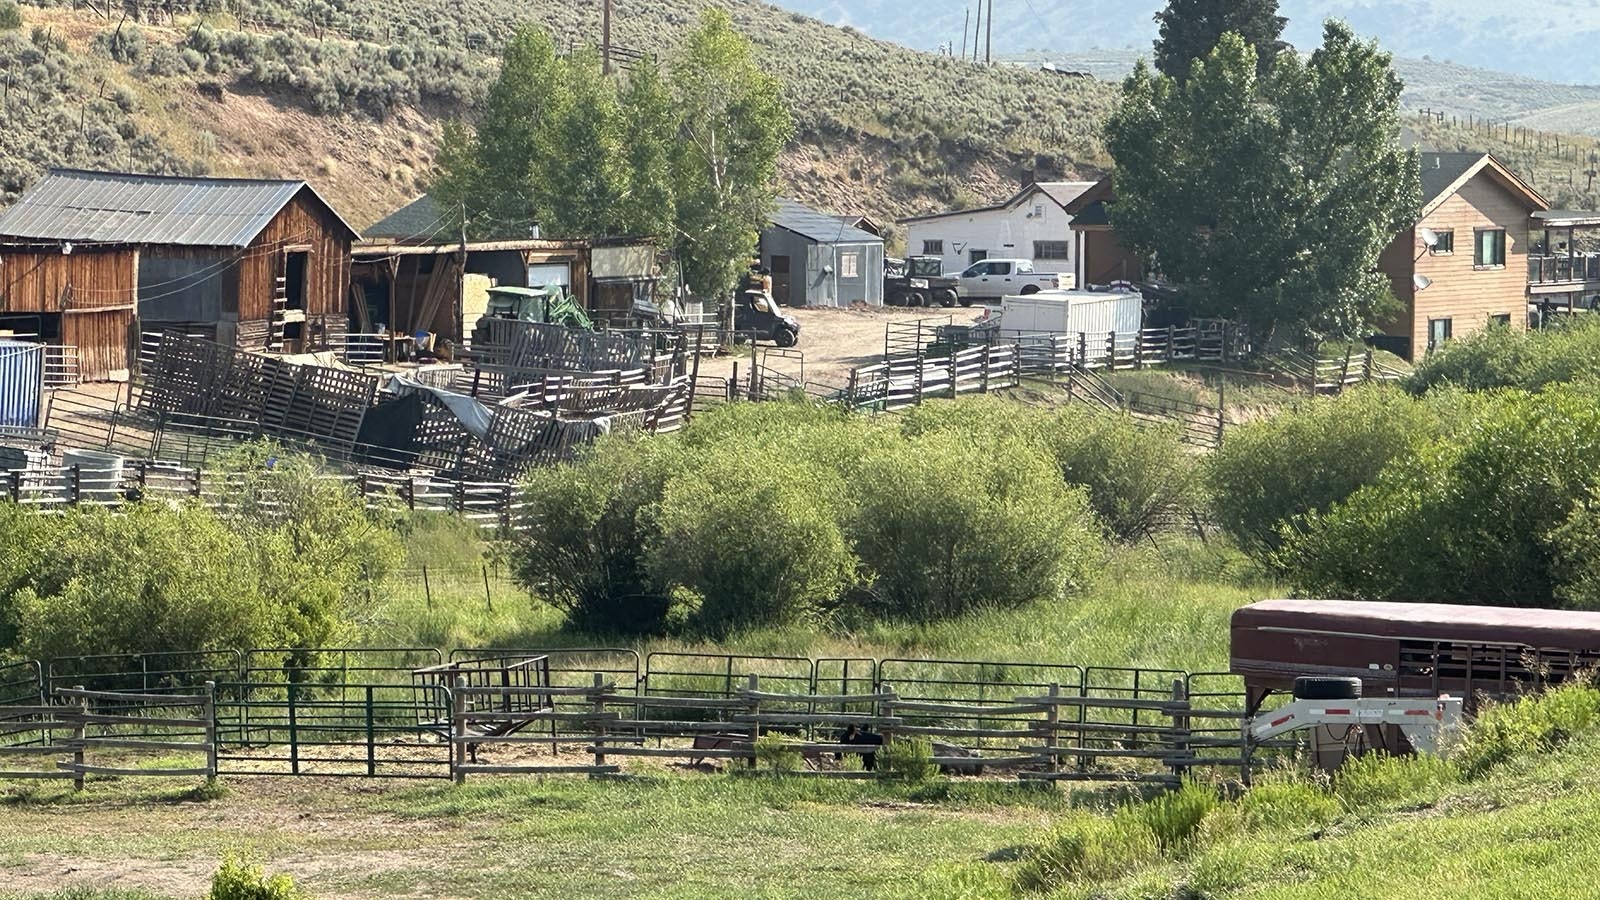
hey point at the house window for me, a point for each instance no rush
(933, 248)
(1500, 320)
(1052, 249)
(1490, 244)
(1446, 243)
(849, 265)
(1438, 332)
(977, 256)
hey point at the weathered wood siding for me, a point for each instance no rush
(1461, 292)
(92, 290)
(303, 224)
(105, 341)
(48, 281)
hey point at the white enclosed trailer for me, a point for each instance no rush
(1072, 312)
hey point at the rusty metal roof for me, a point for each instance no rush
(1566, 629)
(108, 207)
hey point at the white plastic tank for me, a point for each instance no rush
(99, 475)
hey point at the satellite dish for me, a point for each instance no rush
(1421, 282)
(1430, 238)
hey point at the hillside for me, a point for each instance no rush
(1551, 39)
(355, 99)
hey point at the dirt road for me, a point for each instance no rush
(834, 341)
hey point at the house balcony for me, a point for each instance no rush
(1558, 274)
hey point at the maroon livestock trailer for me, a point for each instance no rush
(1409, 649)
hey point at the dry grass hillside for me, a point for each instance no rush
(355, 103)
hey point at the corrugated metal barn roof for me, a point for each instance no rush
(819, 227)
(106, 207)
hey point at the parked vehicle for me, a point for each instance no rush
(992, 279)
(756, 311)
(918, 281)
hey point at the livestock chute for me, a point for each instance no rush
(21, 383)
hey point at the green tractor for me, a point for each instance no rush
(918, 281)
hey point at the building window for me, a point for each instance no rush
(977, 256)
(1500, 320)
(1445, 244)
(1490, 252)
(849, 265)
(933, 248)
(1438, 332)
(1052, 249)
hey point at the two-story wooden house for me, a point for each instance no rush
(1465, 263)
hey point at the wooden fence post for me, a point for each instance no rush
(887, 731)
(458, 730)
(80, 733)
(599, 719)
(755, 712)
(1052, 718)
(1180, 726)
(209, 710)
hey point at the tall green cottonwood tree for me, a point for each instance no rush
(689, 159)
(732, 124)
(1268, 198)
(1191, 29)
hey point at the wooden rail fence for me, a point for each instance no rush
(410, 713)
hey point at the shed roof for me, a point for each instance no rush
(111, 207)
(419, 220)
(793, 216)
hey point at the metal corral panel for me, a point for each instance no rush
(71, 205)
(21, 383)
(1071, 312)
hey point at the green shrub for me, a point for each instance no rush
(153, 578)
(340, 547)
(1088, 847)
(1376, 779)
(10, 16)
(1500, 357)
(945, 526)
(756, 536)
(1473, 518)
(908, 758)
(1174, 817)
(125, 43)
(772, 751)
(586, 527)
(1533, 724)
(1270, 474)
(1285, 803)
(1136, 477)
(239, 880)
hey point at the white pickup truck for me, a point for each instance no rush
(992, 279)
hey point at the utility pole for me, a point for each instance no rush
(966, 23)
(605, 38)
(977, 30)
(988, 37)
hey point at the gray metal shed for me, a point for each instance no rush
(818, 260)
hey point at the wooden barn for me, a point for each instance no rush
(257, 264)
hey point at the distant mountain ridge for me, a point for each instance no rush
(1552, 40)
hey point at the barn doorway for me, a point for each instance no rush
(296, 276)
(780, 279)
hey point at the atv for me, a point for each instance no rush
(918, 281)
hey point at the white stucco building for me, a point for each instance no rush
(1031, 225)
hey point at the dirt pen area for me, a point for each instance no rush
(834, 341)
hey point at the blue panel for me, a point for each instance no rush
(21, 383)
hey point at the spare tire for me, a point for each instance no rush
(1327, 688)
